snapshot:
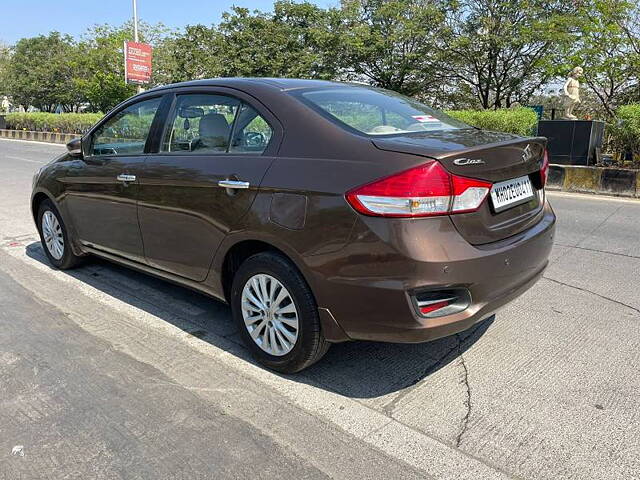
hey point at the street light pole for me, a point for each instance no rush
(135, 21)
(135, 32)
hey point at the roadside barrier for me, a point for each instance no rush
(51, 137)
(605, 181)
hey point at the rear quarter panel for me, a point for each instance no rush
(314, 243)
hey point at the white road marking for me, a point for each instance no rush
(25, 160)
(34, 141)
(592, 196)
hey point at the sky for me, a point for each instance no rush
(29, 18)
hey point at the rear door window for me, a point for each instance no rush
(212, 123)
(200, 123)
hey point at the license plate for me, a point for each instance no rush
(510, 193)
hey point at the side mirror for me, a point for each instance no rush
(75, 147)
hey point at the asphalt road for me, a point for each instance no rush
(107, 373)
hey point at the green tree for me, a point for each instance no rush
(392, 43)
(100, 63)
(609, 51)
(505, 50)
(39, 72)
(290, 42)
(295, 40)
(5, 59)
(189, 55)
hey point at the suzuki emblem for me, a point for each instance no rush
(527, 153)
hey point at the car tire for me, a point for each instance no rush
(55, 237)
(265, 273)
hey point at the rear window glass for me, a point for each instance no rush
(378, 112)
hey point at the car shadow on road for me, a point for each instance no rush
(352, 369)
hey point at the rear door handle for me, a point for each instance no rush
(235, 184)
(126, 178)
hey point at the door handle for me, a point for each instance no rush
(126, 178)
(234, 184)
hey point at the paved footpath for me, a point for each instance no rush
(107, 373)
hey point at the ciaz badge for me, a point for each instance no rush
(468, 161)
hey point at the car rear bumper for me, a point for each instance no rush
(386, 261)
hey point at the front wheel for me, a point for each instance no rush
(55, 237)
(276, 313)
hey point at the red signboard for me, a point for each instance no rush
(137, 62)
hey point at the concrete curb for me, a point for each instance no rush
(49, 137)
(607, 181)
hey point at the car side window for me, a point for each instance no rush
(251, 132)
(200, 123)
(126, 132)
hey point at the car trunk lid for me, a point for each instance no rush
(489, 156)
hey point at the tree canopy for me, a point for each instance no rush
(483, 54)
(609, 51)
(40, 72)
(505, 50)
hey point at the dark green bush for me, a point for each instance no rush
(521, 120)
(52, 122)
(624, 134)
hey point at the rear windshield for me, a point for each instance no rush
(378, 112)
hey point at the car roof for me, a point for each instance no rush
(247, 82)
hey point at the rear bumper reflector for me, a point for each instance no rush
(439, 303)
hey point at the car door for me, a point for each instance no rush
(101, 189)
(214, 152)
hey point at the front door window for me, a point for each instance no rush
(126, 132)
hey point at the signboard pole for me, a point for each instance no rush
(138, 57)
(135, 21)
(126, 71)
(135, 34)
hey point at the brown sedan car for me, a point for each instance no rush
(321, 212)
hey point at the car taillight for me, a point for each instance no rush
(544, 168)
(422, 191)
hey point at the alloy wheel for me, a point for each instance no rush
(52, 233)
(270, 314)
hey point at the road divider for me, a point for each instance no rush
(49, 137)
(606, 181)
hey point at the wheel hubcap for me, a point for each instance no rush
(270, 314)
(52, 233)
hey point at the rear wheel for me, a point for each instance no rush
(276, 313)
(55, 237)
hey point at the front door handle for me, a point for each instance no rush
(234, 184)
(126, 178)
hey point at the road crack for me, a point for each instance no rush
(564, 284)
(467, 402)
(419, 379)
(598, 251)
(588, 235)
